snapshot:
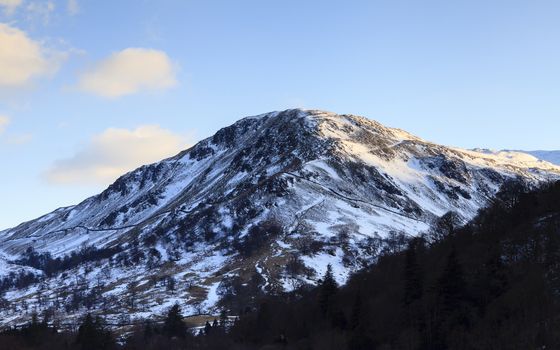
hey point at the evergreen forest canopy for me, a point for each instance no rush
(493, 283)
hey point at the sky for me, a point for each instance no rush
(90, 89)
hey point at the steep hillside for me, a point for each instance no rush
(262, 206)
(492, 284)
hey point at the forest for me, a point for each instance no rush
(492, 283)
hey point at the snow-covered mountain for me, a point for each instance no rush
(263, 205)
(548, 156)
(529, 157)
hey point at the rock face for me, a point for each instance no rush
(262, 206)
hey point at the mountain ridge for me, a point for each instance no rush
(552, 157)
(549, 156)
(261, 206)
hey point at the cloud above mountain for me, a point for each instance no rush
(115, 152)
(130, 71)
(23, 59)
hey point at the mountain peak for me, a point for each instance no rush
(327, 124)
(271, 199)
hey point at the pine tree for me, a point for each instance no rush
(495, 276)
(148, 330)
(93, 336)
(453, 303)
(223, 318)
(174, 325)
(86, 332)
(552, 259)
(357, 312)
(444, 226)
(327, 290)
(414, 316)
(452, 285)
(413, 288)
(511, 192)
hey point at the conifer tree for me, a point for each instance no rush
(174, 325)
(453, 303)
(413, 288)
(148, 330)
(327, 290)
(357, 312)
(495, 275)
(93, 336)
(452, 285)
(223, 318)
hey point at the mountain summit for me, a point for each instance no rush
(262, 206)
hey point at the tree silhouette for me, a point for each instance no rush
(174, 325)
(93, 336)
(327, 290)
(413, 287)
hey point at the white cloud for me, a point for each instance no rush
(115, 152)
(23, 59)
(130, 71)
(10, 6)
(73, 7)
(4, 121)
(40, 10)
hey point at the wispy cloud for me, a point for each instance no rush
(23, 59)
(128, 72)
(114, 152)
(40, 11)
(9, 6)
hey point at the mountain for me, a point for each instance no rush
(492, 284)
(528, 157)
(548, 156)
(262, 206)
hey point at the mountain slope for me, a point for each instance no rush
(263, 205)
(492, 284)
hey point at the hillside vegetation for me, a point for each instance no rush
(491, 284)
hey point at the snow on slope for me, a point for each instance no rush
(262, 205)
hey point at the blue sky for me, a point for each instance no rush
(89, 89)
